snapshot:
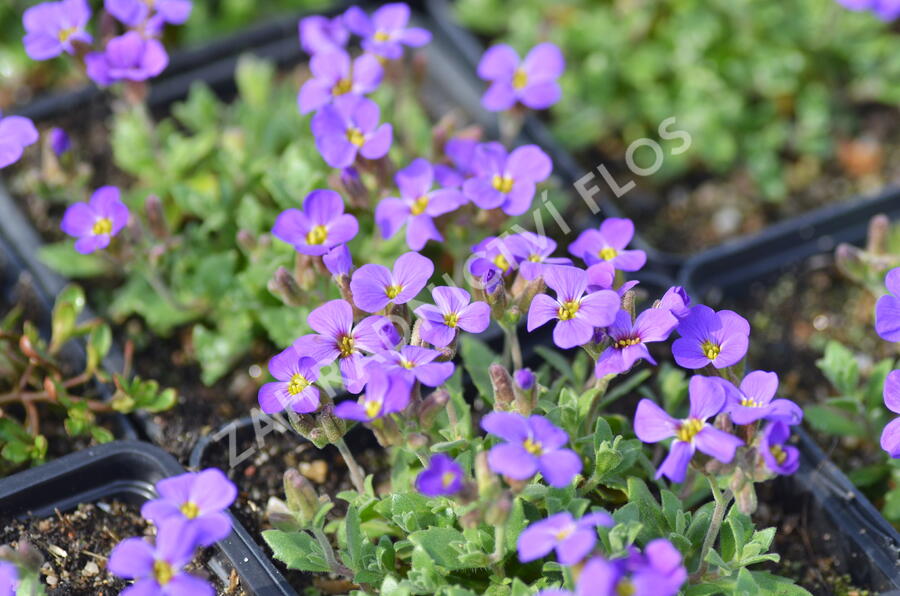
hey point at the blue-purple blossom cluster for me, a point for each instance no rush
(887, 325)
(137, 54)
(886, 10)
(190, 513)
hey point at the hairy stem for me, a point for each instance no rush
(357, 476)
(512, 346)
(499, 549)
(722, 500)
(336, 566)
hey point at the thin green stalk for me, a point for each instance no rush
(499, 549)
(336, 566)
(512, 346)
(722, 500)
(357, 476)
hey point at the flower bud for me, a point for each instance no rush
(286, 287)
(498, 510)
(488, 485)
(504, 396)
(300, 494)
(416, 441)
(280, 516)
(431, 406)
(246, 241)
(333, 427)
(877, 240)
(354, 188)
(156, 219)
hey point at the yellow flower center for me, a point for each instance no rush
(520, 79)
(355, 136)
(162, 572)
(447, 479)
(535, 258)
(297, 384)
(568, 310)
(778, 453)
(419, 205)
(393, 291)
(502, 184)
(451, 319)
(346, 345)
(190, 510)
(710, 350)
(102, 226)
(65, 34)
(751, 403)
(317, 235)
(407, 364)
(627, 341)
(373, 408)
(533, 447)
(625, 588)
(565, 533)
(381, 36)
(689, 429)
(341, 87)
(608, 253)
(501, 262)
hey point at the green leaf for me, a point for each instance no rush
(98, 346)
(354, 539)
(446, 546)
(65, 260)
(650, 513)
(477, 357)
(833, 421)
(297, 550)
(839, 365)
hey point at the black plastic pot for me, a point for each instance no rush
(728, 270)
(127, 470)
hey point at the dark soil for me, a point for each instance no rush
(260, 477)
(700, 210)
(75, 547)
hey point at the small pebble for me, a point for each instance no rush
(91, 569)
(52, 580)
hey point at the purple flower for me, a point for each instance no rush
(492, 254)
(887, 309)
(451, 311)
(129, 57)
(96, 222)
(578, 314)
(338, 260)
(9, 579)
(374, 286)
(385, 394)
(416, 363)
(460, 152)
(443, 476)
(51, 28)
(779, 457)
(321, 34)
(386, 32)
(347, 126)
(506, 181)
(709, 337)
(652, 424)
(676, 301)
(337, 338)
(572, 540)
(159, 569)
(320, 226)
(524, 379)
(629, 340)
(532, 82)
(890, 436)
(886, 10)
(532, 252)
(753, 400)
(533, 444)
(295, 387)
(417, 206)
(134, 13)
(59, 141)
(608, 244)
(16, 133)
(201, 499)
(333, 76)
(658, 571)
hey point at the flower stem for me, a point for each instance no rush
(357, 476)
(328, 552)
(512, 346)
(499, 548)
(715, 524)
